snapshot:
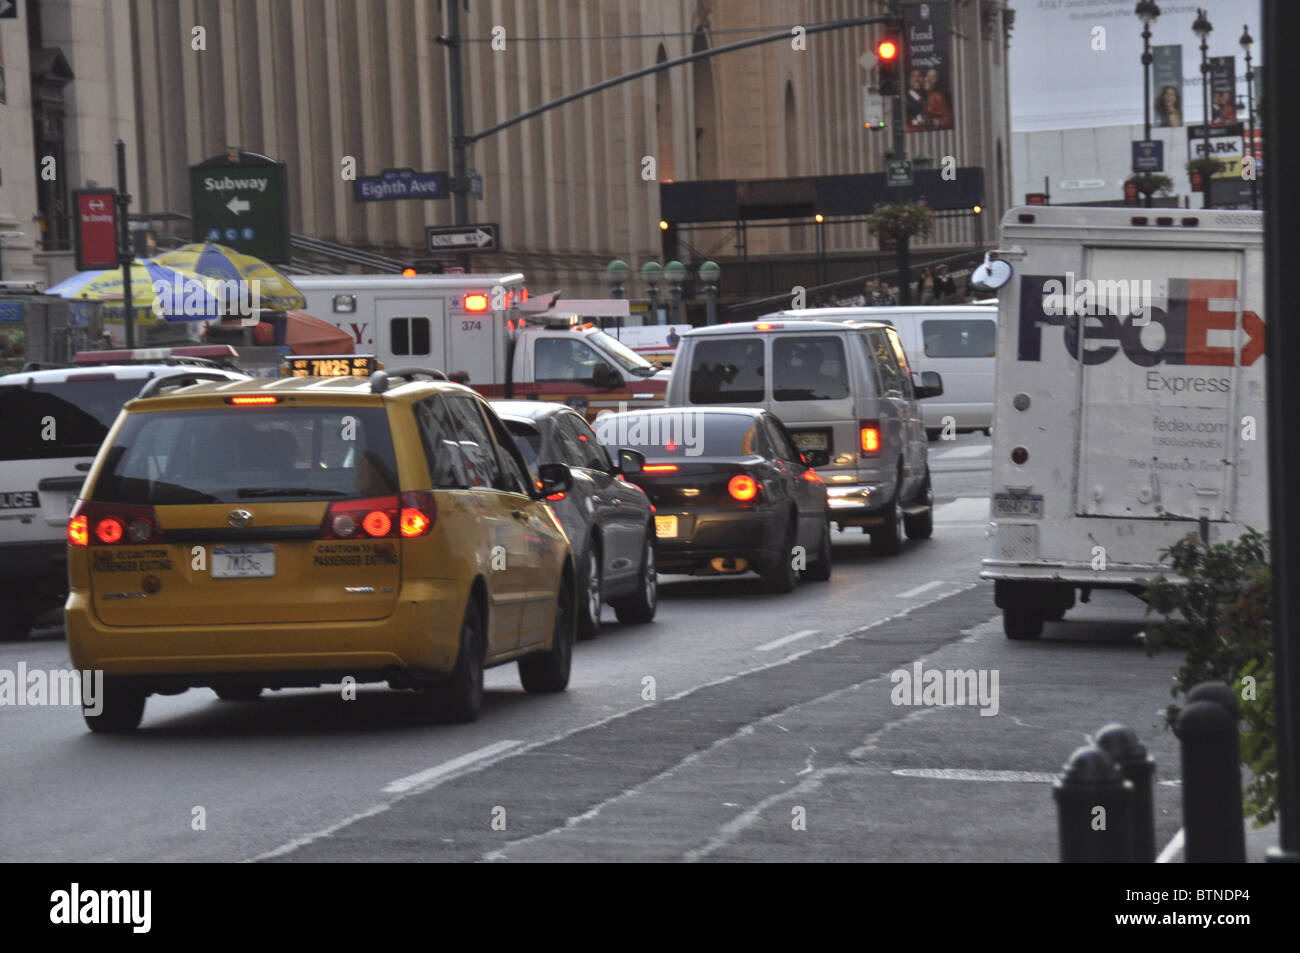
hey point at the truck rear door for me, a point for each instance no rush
(1160, 394)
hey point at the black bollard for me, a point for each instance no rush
(1091, 781)
(1216, 692)
(1131, 757)
(1212, 811)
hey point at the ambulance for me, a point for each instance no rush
(486, 330)
(1129, 403)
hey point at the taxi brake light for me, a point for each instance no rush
(377, 523)
(419, 510)
(78, 531)
(110, 523)
(259, 401)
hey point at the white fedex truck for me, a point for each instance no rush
(1129, 406)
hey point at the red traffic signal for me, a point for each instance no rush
(887, 50)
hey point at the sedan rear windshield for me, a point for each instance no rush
(246, 454)
(528, 440)
(684, 433)
(60, 419)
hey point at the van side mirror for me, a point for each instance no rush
(605, 377)
(555, 478)
(816, 458)
(630, 462)
(931, 385)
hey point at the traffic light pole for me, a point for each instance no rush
(901, 193)
(460, 148)
(125, 253)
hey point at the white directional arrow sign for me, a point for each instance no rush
(238, 205)
(467, 236)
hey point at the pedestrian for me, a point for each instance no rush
(835, 301)
(925, 287)
(881, 296)
(818, 301)
(943, 285)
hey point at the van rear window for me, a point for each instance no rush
(809, 368)
(60, 419)
(728, 371)
(237, 454)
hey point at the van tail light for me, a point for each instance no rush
(742, 487)
(419, 513)
(869, 437)
(371, 518)
(109, 524)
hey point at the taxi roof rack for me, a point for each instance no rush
(379, 379)
(181, 379)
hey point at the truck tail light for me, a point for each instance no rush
(869, 437)
(107, 524)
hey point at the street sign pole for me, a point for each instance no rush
(125, 252)
(900, 153)
(459, 145)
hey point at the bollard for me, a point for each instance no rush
(1131, 757)
(1216, 692)
(1213, 829)
(1091, 781)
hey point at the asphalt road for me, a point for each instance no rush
(738, 725)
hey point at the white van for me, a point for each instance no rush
(1130, 397)
(958, 342)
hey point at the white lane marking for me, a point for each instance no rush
(958, 453)
(785, 640)
(1172, 849)
(920, 589)
(402, 785)
(973, 508)
(976, 774)
(722, 680)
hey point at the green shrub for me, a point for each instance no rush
(1221, 616)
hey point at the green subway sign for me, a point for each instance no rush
(241, 200)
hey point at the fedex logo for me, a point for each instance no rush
(1198, 325)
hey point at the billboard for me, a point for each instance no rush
(1223, 90)
(927, 67)
(1167, 82)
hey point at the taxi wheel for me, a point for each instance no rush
(820, 571)
(121, 712)
(781, 576)
(641, 607)
(239, 693)
(548, 671)
(590, 604)
(460, 699)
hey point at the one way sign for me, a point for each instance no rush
(8, 10)
(462, 237)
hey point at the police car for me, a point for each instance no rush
(52, 422)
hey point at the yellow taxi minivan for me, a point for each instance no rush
(274, 533)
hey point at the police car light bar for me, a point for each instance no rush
(140, 355)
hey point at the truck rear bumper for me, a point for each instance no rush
(1079, 574)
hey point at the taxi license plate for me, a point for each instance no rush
(243, 562)
(1028, 505)
(665, 526)
(804, 440)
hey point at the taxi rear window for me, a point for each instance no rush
(60, 419)
(242, 454)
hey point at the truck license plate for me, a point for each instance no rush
(243, 562)
(666, 527)
(1028, 505)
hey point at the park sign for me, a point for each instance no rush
(393, 184)
(241, 200)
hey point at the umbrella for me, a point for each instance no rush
(217, 261)
(179, 296)
(308, 334)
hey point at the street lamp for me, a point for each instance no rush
(651, 272)
(675, 272)
(1148, 12)
(616, 272)
(1203, 29)
(1246, 43)
(709, 274)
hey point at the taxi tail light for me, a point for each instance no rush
(110, 524)
(419, 513)
(869, 437)
(375, 517)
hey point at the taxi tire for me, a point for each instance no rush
(640, 607)
(547, 671)
(459, 700)
(780, 576)
(589, 623)
(123, 708)
(820, 570)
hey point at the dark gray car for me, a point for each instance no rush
(609, 521)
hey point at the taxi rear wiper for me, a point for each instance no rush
(245, 491)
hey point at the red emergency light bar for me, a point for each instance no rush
(476, 302)
(137, 355)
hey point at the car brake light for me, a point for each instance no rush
(742, 487)
(659, 468)
(112, 523)
(555, 497)
(357, 519)
(869, 437)
(377, 523)
(258, 401)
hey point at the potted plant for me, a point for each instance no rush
(1200, 170)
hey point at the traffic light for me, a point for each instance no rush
(424, 266)
(889, 50)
